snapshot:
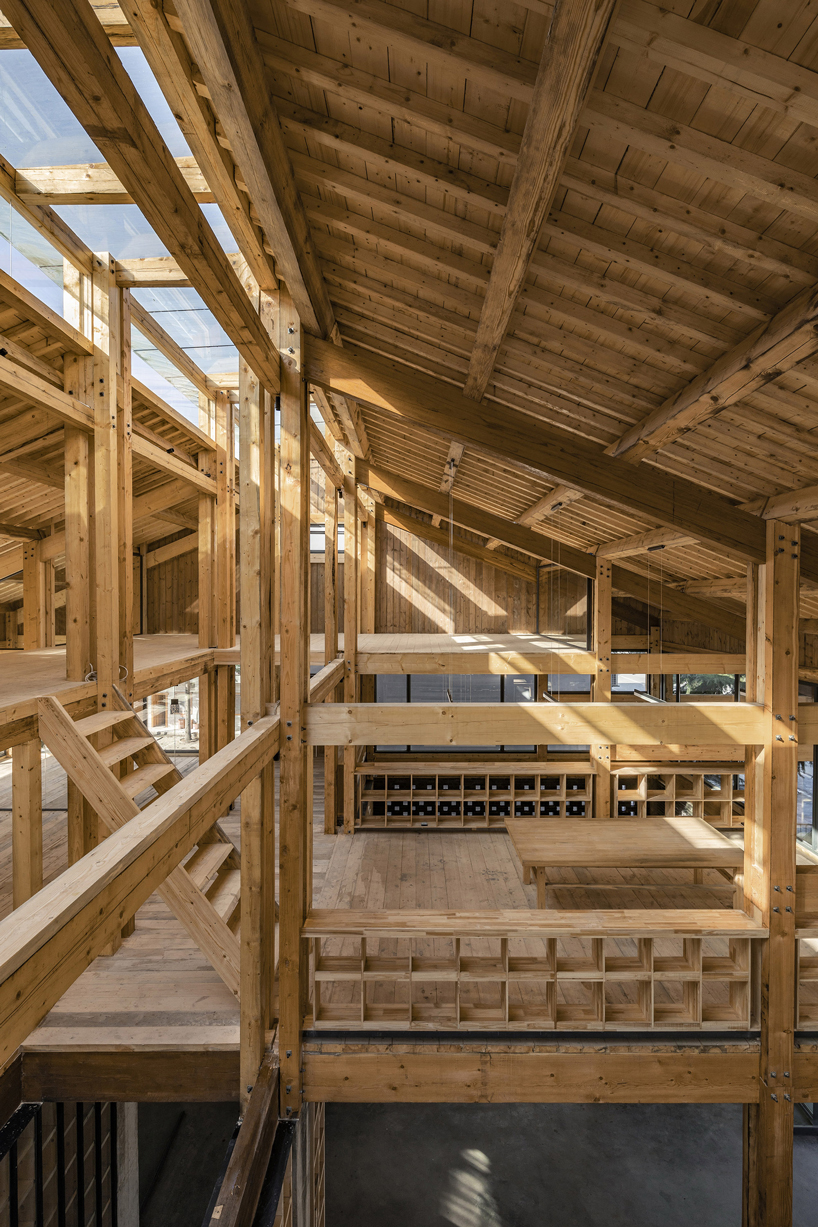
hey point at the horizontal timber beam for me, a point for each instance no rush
(333, 1075)
(458, 724)
(535, 445)
(174, 467)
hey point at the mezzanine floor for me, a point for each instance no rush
(158, 992)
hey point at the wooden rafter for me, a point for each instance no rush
(641, 543)
(221, 38)
(757, 360)
(72, 48)
(168, 56)
(559, 497)
(572, 46)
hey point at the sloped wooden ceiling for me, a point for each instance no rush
(683, 226)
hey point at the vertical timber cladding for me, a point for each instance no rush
(769, 873)
(295, 761)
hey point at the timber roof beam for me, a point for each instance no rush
(572, 47)
(221, 38)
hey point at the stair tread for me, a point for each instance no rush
(206, 861)
(225, 893)
(101, 720)
(143, 777)
(124, 748)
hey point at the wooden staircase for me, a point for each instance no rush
(204, 893)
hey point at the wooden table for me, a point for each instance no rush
(620, 843)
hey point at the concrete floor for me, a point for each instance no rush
(181, 1150)
(524, 1165)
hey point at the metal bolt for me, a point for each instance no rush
(786, 1073)
(289, 1088)
(289, 1052)
(290, 737)
(788, 1097)
(775, 1097)
(779, 717)
(776, 888)
(792, 738)
(772, 1073)
(776, 909)
(787, 909)
(789, 888)
(779, 737)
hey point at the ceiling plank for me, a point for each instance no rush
(698, 51)
(766, 353)
(222, 40)
(475, 520)
(653, 133)
(562, 457)
(572, 47)
(75, 53)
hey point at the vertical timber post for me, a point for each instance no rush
(330, 642)
(26, 821)
(601, 754)
(295, 760)
(351, 539)
(769, 880)
(77, 382)
(258, 798)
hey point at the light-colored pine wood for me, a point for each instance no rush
(293, 863)
(27, 821)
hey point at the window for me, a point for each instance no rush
(449, 688)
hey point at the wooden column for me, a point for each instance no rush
(225, 564)
(26, 821)
(78, 378)
(330, 642)
(601, 754)
(207, 594)
(367, 554)
(769, 874)
(124, 460)
(258, 799)
(295, 816)
(107, 323)
(34, 601)
(351, 560)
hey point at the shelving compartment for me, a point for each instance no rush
(474, 797)
(553, 983)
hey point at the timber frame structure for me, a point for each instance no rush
(524, 306)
